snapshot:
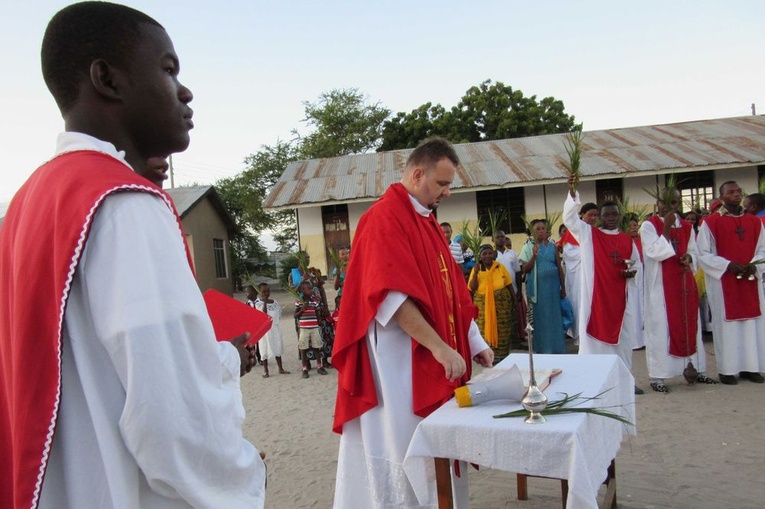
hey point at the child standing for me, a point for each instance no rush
(252, 297)
(272, 344)
(307, 311)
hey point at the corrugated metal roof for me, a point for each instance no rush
(534, 160)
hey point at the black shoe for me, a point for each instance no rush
(728, 380)
(638, 390)
(701, 378)
(660, 387)
(305, 374)
(320, 370)
(752, 377)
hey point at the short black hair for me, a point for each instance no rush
(587, 207)
(725, 184)
(430, 151)
(445, 224)
(262, 285)
(81, 33)
(610, 204)
(758, 200)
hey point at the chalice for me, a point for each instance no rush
(535, 400)
(629, 271)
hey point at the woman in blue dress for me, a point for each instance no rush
(544, 289)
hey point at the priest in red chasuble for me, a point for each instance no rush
(729, 241)
(672, 327)
(406, 337)
(608, 304)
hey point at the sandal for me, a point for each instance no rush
(265, 375)
(704, 379)
(660, 387)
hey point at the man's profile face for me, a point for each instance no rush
(610, 216)
(731, 195)
(431, 186)
(156, 109)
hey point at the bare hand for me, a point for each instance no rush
(571, 184)
(247, 357)
(453, 363)
(685, 260)
(535, 249)
(735, 268)
(485, 358)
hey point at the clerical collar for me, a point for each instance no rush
(723, 211)
(72, 141)
(419, 207)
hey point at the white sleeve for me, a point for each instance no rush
(182, 416)
(389, 306)
(655, 245)
(714, 266)
(579, 229)
(477, 343)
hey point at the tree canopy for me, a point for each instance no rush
(489, 111)
(341, 122)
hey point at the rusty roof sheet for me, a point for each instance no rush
(535, 160)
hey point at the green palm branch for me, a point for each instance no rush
(573, 146)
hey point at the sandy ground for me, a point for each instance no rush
(701, 446)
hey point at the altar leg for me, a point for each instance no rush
(444, 483)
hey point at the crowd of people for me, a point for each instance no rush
(130, 400)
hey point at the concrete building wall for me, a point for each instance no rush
(203, 224)
(460, 207)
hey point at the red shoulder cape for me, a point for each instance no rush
(609, 293)
(41, 241)
(681, 296)
(396, 249)
(742, 301)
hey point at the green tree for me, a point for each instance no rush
(489, 111)
(342, 122)
(243, 195)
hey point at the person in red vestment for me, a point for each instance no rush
(407, 335)
(117, 393)
(729, 242)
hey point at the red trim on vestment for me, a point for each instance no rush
(415, 260)
(41, 240)
(609, 293)
(681, 296)
(741, 297)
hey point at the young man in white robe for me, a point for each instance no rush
(728, 241)
(119, 395)
(667, 239)
(621, 337)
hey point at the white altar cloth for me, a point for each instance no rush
(576, 447)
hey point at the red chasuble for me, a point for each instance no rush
(41, 241)
(413, 258)
(681, 295)
(736, 240)
(609, 293)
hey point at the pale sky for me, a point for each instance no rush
(251, 63)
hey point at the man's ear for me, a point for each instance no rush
(106, 80)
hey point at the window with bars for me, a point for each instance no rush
(609, 190)
(697, 189)
(509, 205)
(219, 250)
